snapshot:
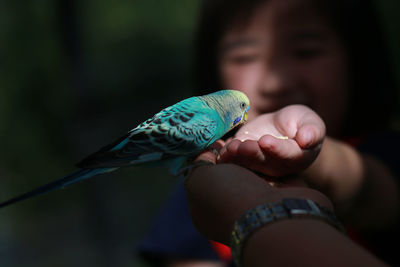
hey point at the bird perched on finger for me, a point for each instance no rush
(170, 138)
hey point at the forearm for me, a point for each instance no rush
(234, 188)
(218, 195)
(303, 242)
(363, 190)
(376, 205)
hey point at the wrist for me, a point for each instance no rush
(214, 212)
(337, 171)
(266, 214)
(304, 242)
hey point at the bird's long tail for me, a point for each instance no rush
(60, 183)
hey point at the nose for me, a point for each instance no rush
(277, 79)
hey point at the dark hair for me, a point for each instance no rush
(373, 93)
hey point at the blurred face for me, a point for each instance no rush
(287, 53)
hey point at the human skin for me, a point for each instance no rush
(362, 189)
(219, 194)
(279, 143)
(288, 53)
(232, 190)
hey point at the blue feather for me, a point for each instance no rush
(169, 138)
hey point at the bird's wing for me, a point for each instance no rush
(175, 131)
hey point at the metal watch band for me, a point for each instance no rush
(264, 214)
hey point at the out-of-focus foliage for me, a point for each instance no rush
(74, 75)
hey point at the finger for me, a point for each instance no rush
(242, 153)
(229, 151)
(309, 136)
(311, 130)
(279, 148)
(250, 156)
(210, 155)
(207, 156)
(246, 135)
(250, 149)
(238, 150)
(217, 145)
(233, 146)
(228, 140)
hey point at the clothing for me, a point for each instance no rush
(386, 147)
(173, 235)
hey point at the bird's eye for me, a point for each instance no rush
(243, 105)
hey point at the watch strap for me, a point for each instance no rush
(264, 214)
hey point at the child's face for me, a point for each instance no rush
(287, 53)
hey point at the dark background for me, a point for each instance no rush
(75, 75)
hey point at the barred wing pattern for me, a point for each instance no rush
(174, 131)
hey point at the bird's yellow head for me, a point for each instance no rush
(242, 108)
(232, 106)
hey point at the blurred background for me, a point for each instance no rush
(75, 75)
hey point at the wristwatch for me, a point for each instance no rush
(263, 214)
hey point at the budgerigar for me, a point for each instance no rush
(170, 137)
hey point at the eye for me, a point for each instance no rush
(243, 59)
(305, 53)
(243, 105)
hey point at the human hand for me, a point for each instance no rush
(219, 194)
(277, 144)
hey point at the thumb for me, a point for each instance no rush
(310, 134)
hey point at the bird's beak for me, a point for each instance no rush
(245, 115)
(241, 119)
